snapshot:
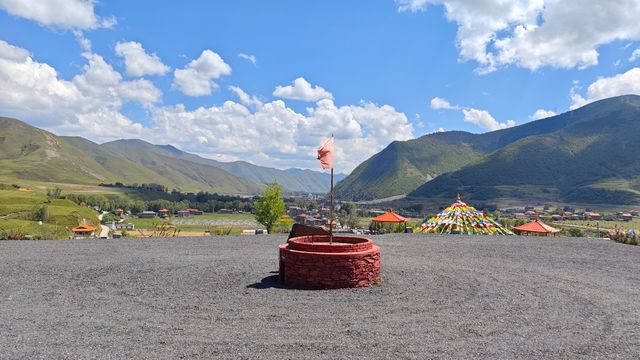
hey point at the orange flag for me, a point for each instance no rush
(325, 154)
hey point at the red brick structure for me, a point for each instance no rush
(311, 262)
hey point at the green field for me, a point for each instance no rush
(18, 215)
(208, 223)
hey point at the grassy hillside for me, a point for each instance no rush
(593, 158)
(29, 154)
(518, 162)
(297, 180)
(19, 215)
(403, 166)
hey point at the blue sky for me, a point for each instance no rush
(368, 71)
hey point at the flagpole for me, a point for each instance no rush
(331, 204)
(331, 210)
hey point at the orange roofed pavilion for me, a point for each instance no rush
(537, 227)
(83, 230)
(390, 217)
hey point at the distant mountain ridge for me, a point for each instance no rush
(585, 155)
(27, 152)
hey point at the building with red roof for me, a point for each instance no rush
(536, 227)
(390, 217)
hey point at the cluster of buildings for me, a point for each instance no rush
(309, 216)
(530, 213)
(165, 213)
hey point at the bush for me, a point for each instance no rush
(573, 232)
(110, 217)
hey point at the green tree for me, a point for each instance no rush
(41, 213)
(270, 206)
(348, 215)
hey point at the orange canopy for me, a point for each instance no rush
(390, 217)
(537, 226)
(84, 228)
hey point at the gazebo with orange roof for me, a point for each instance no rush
(536, 227)
(83, 230)
(390, 217)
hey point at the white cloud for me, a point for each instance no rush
(276, 135)
(196, 79)
(245, 98)
(620, 84)
(251, 58)
(412, 5)
(536, 33)
(13, 53)
(542, 114)
(440, 129)
(66, 14)
(89, 105)
(141, 90)
(270, 134)
(301, 89)
(635, 55)
(483, 119)
(138, 62)
(440, 103)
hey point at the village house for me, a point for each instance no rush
(194, 211)
(588, 215)
(183, 213)
(626, 217)
(83, 231)
(123, 226)
(163, 213)
(147, 214)
(225, 211)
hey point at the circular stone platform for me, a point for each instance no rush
(311, 262)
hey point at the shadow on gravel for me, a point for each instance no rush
(269, 282)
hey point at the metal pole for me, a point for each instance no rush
(331, 210)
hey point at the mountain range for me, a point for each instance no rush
(29, 153)
(587, 155)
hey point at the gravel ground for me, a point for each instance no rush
(441, 297)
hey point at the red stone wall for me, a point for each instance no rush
(348, 262)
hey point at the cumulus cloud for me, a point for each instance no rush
(536, 33)
(276, 135)
(620, 84)
(635, 55)
(138, 62)
(66, 14)
(141, 90)
(196, 79)
(483, 119)
(12, 53)
(440, 103)
(542, 114)
(270, 134)
(87, 105)
(245, 98)
(301, 89)
(251, 58)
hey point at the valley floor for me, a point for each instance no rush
(441, 297)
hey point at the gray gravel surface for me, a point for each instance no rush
(441, 297)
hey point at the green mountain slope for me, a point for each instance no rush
(306, 181)
(30, 153)
(404, 166)
(27, 152)
(592, 158)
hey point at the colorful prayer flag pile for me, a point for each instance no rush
(460, 218)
